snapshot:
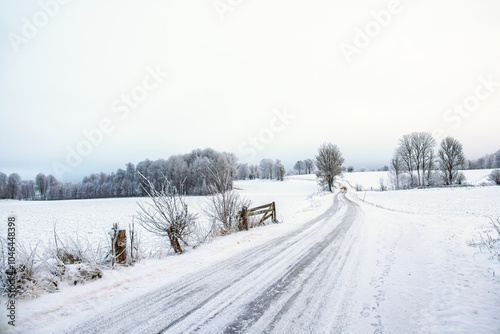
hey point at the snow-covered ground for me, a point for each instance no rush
(407, 266)
(92, 219)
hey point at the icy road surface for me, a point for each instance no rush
(298, 283)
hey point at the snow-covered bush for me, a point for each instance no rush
(81, 273)
(223, 209)
(29, 276)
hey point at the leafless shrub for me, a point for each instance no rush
(223, 210)
(76, 250)
(491, 243)
(383, 187)
(167, 215)
(461, 178)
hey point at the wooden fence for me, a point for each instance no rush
(267, 211)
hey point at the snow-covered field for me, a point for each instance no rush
(93, 218)
(371, 180)
(408, 268)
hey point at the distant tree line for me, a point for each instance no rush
(267, 169)
(486, 162)
(416, 164)
(304, 166)
(190, 170)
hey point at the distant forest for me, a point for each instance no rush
(190, 173)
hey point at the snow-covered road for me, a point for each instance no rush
(297, 283)
(398, 262)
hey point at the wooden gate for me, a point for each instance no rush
(267, 211)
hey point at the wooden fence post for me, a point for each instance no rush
(274, 212)
(244, 217)
(121, 246)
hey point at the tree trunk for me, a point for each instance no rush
(174, 242)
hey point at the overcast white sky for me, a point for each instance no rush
(230, 70)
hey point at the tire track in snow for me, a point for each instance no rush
(252, 293)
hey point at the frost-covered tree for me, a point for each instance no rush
(221, 172)
(13, 186)
(266, 168)
(28, 190)
(254, 172)
(406, 153)
(451, 158)
(299, 166)
(41, 185)
(279, 170)
(243, 172)
(395, 170)
(309, 165)
(329, 163)
(416, 151)
(3, 185)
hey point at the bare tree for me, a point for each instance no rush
(407, 155)
(243, 172)
(266, 168)
(41, 184)
(13, 186)
(221, 173)
(417, 153)
(279, 170)
(28, 190)
(329, 162)
(3, 185)
(423, 143)
(299, 166)
(396, 169)
(309, 165)
(451, 157)
(167, 215)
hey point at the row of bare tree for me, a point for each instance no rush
(267, 169)
(415, 158)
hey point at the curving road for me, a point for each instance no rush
(302, 282)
